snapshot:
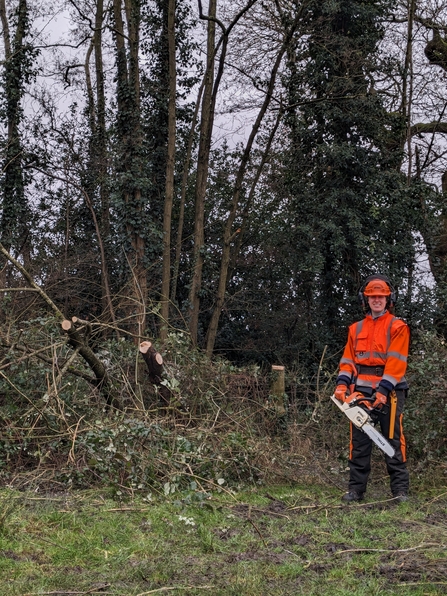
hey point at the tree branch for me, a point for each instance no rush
(59, 315)
(74, 337)
(428, 128)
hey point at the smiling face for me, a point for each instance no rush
(377, 304)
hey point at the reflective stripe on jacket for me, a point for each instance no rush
(383, 341)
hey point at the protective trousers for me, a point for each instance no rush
(361, 447)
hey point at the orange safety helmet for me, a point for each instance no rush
(377, 287)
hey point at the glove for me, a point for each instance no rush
(340, 393)
(381, 400)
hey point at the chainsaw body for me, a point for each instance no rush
(362, 420)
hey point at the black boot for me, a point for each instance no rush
(401, 496)
(352, 496)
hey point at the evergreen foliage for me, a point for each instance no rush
(18, 71)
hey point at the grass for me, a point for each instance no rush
(276, 541)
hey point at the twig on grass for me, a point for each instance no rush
(170, 589)
(45, 498)
(250, 521)
(389, 550)
(421, 584)
(432, 501)
(289, 552)
(56, 545)
(132, 509)
(339, 506)
(96, 590)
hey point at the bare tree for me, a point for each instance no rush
(229, 233)
(209, 99)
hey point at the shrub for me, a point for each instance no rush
(426, 409)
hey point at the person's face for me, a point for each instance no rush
(377, 304)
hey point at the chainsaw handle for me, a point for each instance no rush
(364, 403)
(358, 399)
(370, 400)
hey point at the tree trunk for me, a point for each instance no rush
(101, 121)
(206, 129)
(407, 87)
(14, 223)
(101, 153)
(97, 167)
(130, 133)
(169, 194)
(184, 184)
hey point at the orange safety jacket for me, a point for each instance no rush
(376, 353)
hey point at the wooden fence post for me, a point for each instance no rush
(278, 389)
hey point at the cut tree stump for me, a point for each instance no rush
(154, 364)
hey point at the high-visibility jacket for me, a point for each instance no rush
(376, 354)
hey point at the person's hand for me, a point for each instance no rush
(380, 400)
(340, 393)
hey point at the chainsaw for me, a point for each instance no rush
(360, 418)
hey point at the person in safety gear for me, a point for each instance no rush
(374, 362)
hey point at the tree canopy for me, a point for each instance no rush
(230, 169)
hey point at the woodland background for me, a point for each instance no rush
(215, 178)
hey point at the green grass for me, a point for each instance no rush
(276, 541)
